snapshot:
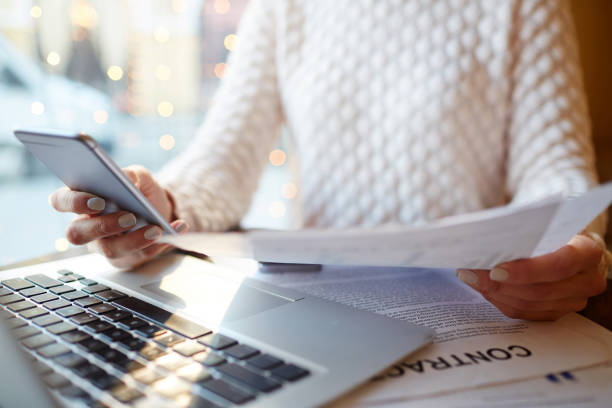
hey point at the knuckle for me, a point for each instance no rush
(74, 235)
(107, 250)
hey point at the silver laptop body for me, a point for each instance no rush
(183, 332)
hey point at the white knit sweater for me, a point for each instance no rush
(401, 111)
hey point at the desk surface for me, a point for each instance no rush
(599, 308)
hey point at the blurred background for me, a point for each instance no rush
(139, 76)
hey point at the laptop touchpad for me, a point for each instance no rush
(207, 292)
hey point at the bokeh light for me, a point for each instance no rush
(100, 116)
(62, 244)
(165, 109)
(179, 6)
(220, 69)
(82, 14)
(161, 35)
(35, 12)
(231, 42)
(277, 157)
(222, 6)
(37, 108)
(163, 72)
(53, 58)
(167, 141)
(277, 209)
(114, 72)
(289, 191)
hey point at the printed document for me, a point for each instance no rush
(475, 345)
(475, 240)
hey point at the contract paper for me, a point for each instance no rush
(477, 240)
(475, 345)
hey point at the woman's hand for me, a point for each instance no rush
(107, 232)
(546, 287)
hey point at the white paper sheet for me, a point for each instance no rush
(475, 345)
(476, 240)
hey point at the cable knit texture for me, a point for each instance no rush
(400, 111)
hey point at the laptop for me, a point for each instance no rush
(182, 331)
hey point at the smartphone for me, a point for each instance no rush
(83, 165)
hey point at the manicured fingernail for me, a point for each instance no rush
(467, 276)
(153, 233)
(127, 220)
(181, 226)
(96, 204)
(498, 274)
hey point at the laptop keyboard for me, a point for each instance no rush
(130, 348)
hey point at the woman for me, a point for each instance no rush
(402, 112)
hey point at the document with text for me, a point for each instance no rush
(476, 240)
(475, 345)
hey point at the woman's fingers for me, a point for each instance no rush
(566, 305)
(580, 254)
(86, 229)
(583, 284)
(67, 200)
(515, 313)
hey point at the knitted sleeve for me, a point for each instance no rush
(549, 140)
(213, 181)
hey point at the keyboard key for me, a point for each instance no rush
(169, 339)
(117, 315)
(74, 392)
(95, 288)
(194, 401)
(127, 365)
(19, 306)
(171, 386)
(151, 352)
(56, 304)
(189, 348)
(8, 299)
(163, 317)
(83, 318)
(69, 311)
(150, 331)
(98, 326)
(110, 295)
(132, 344)
(70, 360)
(44, 297)
(77, 294)
(249, 378)
(17, 284)
(64, 272)
(53, 350)
(67, 279)
(264, 361)
(42, 368)
(60, 328)
(26, 331)
(37, 341)
(217, 341)
(289, 372)
(147, 375)
(89, 370)
(15, 323)
(6, 291)
(92, 345)
(43, 281)
(116, 335)
(106, 382)
(126, 394)
(172, 361)
(132, 323)
(111, 355)
(44, 321)
(208, 358)
(88, 282)
(78, 277)
(87, 302)
(55, 380)
(102, 308)
(60, 290)
(75, 336)
(193, 372)
(32, 313)
(241, 351)
(228, 391)
(31, 292)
